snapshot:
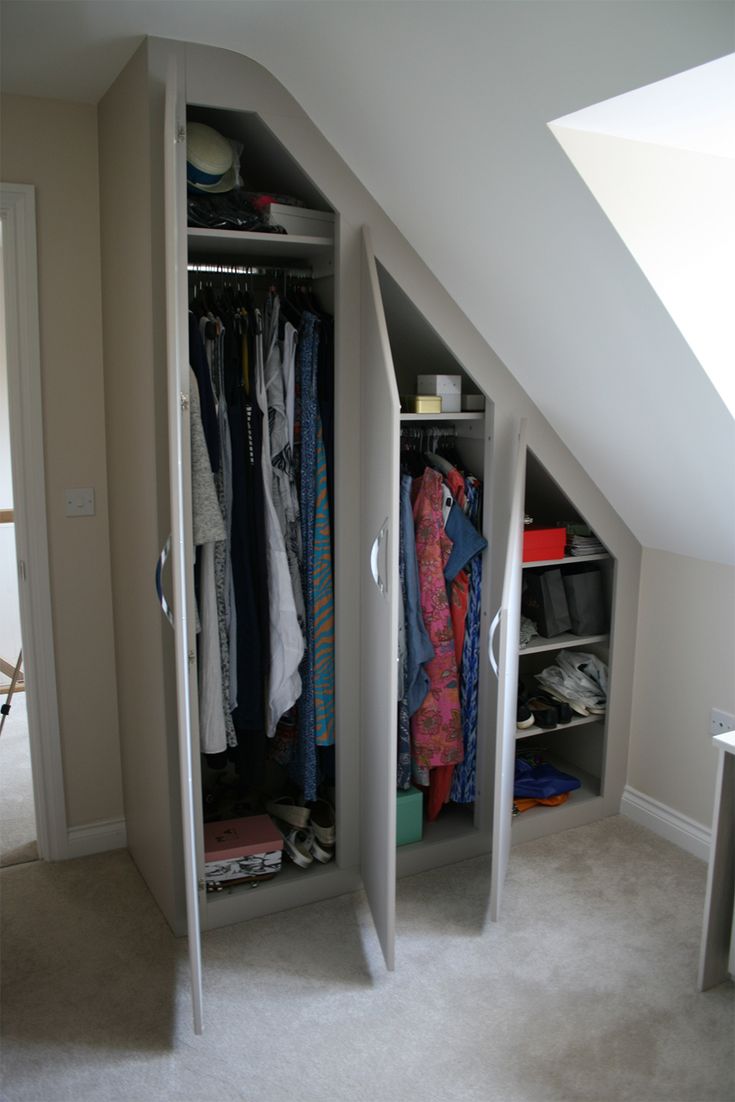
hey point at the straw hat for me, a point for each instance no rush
(209, 164)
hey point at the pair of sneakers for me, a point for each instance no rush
(308, 833)
(540, 709)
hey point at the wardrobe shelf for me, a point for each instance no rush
(454, 836)
(233, 246)
(289, 873)
(576, 721)
(467, 415)
(589, 790)
(292, 887)
(560, 642)
(566, 560)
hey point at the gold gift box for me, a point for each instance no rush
(421, 403)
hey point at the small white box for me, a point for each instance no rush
(448, 387)
(472, 403)
(301, 221)
(439, 384)
(451, 403)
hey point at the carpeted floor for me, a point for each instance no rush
(17, 815)
(584, 991)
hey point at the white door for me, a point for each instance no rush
(379, 607)
(177, 356)
(508, 620)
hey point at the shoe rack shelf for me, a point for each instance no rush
(559, 642)
(578, 747)
(575, 721)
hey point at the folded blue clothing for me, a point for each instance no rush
(540, 781)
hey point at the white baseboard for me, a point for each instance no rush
(672, 825)
(96, 838)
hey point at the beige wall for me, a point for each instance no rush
(53, 145)
(685, 665)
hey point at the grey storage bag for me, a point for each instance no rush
(585, 599)
(544, 601)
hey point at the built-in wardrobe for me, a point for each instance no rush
(393, 321)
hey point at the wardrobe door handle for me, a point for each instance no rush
(162, 559)
(491, 640)
(379, 542)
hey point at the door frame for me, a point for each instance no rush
(20, 275)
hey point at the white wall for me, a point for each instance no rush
(685, 665)
(9, 608)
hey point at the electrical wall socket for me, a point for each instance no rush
(720, 722)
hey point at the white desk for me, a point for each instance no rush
(717, 955)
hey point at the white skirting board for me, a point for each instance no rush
(669, 824)
(96, 838)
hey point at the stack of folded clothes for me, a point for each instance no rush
(581, 540)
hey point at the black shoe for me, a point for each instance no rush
(545, 715)
(562, 708)
(524, 716)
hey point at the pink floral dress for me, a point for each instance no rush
(436, 728)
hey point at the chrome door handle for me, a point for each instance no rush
(162, 560)
(379, 542)
(491, 639)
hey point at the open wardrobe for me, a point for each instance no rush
(325, 495)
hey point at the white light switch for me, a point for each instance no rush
(80, 503)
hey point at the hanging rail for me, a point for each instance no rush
(248, 269)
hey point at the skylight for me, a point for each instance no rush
(660, 161)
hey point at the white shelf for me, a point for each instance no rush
(576, 721)
(255, 248)
(566, 560)
(466, 415)
(589, 790)
(291, 887)
(560, 642)
(452, 837)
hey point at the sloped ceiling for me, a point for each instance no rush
(441, 109)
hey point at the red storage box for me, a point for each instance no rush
(240, 850)
(543, 543)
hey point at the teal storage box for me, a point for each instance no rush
(409, 816)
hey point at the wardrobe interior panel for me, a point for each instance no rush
(266, 164)
(416, 346)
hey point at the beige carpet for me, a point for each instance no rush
(584, 991)
(17, 814)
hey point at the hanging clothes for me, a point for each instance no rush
(316, 708)
(464, 781)
(248, 539)
(280, 363)
(208, 414)
(270, 577)
(286, 640)
(419, 649)
(211, 333)
(224, 487)
(323, 604)
(209, 529)
(435, 727)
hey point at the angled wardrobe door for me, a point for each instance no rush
(183, 613)
(380, 441)
(506, 627)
